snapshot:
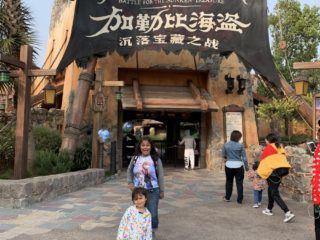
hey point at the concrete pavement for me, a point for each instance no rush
(192, 209)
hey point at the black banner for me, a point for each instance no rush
(199, 26)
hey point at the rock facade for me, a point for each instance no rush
(22, 193)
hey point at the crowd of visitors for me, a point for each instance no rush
(145, 176)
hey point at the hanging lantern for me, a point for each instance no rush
(4, 75)
(282, 44)
(49, 94)
(301, 86)
(2, 107)
(118, 95)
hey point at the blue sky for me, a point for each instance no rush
(41, 11)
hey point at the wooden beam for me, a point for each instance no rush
(195, 91)
(137, 95)
(12, 61)
(113, 83)
(23, 115)
(170, 101)
(197, 95)
(306, 65)
(35, 72)
(97, 123)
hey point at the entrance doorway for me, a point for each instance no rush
(165, 129)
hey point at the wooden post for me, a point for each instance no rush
(23, 114)
(72, 129)
(97, 116)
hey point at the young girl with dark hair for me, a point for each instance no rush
(136, 221)
(258, 184)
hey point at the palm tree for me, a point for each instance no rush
(15, 30)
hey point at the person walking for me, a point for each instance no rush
(136, 221)
(189, 147)
(273, 166)
(315, 187)
(258, 185)
(236, 161)
(146, 170)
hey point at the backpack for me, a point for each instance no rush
(281, 172)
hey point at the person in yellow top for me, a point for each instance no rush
(273, 165)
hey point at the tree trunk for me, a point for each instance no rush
(72, 130)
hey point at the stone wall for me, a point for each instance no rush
(39, 116)
(296, 185)
(24, 192)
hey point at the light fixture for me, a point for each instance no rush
(241, 84)
(230, 83)
(301, 86)
(2, 107)
(49, 94)
(4, 75)
(119, 95)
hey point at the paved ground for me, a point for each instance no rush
(192, 209)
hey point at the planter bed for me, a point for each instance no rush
(24, 192)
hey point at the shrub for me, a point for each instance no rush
(46, 139)
(7, 174)
(7, 147)
(47, 162)
(82, 156)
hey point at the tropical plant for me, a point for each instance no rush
(15, 30)
(296, 35)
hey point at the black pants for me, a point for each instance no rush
(274, 195)
(316, 223)
(238, 174)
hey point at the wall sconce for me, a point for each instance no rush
(230, 83)
(241, 84)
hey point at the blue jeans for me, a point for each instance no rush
(153, 202)
(257, 196)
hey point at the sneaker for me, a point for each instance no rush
(186, 169)
(288, 217)
(267, 212)
(259, 204)
(226, 200)
(255, 205)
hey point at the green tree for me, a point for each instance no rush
(278, 110)
(299, 28)
(15, 30)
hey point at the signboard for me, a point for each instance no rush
(233, 121)
(99, 102)
(202, 27)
